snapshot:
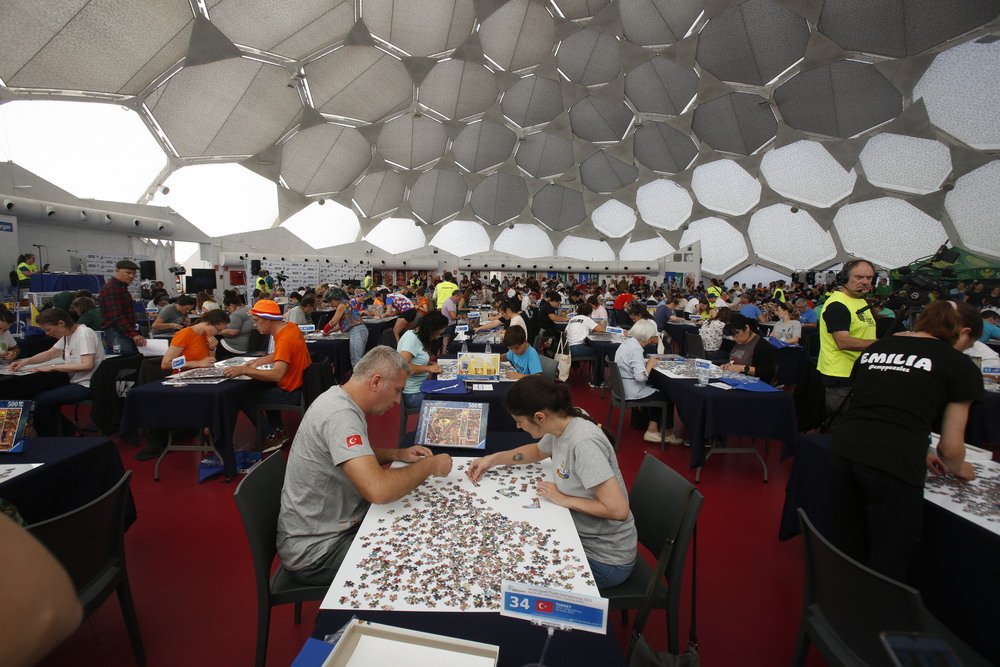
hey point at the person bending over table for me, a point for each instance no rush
(878, 457)
(347, 318)
(415, 348)
(173, 317)
(86, 312)
(302, 313)
(8, 344)
(577, 330)
(635, 372)
(290, 358)
(235, 339)
(197, 343)
(751, 355)
(712, 334)
(522, 356)
(334, 473)
(81, 352)
(588, 480)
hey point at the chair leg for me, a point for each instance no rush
(263, 628)
(801, 651)
(297, 617)
(131, 620)
(621, 423)
(625, 619)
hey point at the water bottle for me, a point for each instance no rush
(465, 346)
(703, 373)
(487, 347)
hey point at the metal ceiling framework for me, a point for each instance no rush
(787, 133)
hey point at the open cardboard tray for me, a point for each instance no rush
(365, 643)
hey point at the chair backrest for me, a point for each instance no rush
(388, 338)
(549, 367)
(150, 371)
(855, 602)
(316, 378)
(257, 342)
(89, 542)
(258, 498)
(108, 388)
(695, 345)
(658, 496)
(615, 379)
(13, 279)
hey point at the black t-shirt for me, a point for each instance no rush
(901, 386)
(545, 323)
(974, 298)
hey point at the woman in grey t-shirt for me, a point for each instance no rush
(588, 480)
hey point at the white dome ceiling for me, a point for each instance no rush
(525, 126)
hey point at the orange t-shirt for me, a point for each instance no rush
(290, 347)
(195, 347)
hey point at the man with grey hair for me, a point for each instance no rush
(334, 473)
(807, 316)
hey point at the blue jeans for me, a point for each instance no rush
(582, 349)
(111, 336)
(413, 400)
(47, 413)
(606, 575)
(359, 338)
(270, 396)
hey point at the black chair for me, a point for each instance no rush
(90, 543)
(108, 388)
(543, 344)
(316, 378)
(550, 368)
(619, 401)
(661, 500)
(404, 415)
(16, 284)
(589, 358)
(388, 339)
(257, 343)
(846, 605)
(258, 498)
(695, 346)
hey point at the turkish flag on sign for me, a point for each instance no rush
(543, 606)
(353, 440)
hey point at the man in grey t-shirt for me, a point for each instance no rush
(236, 336)
(302, 313)
(334, 473)
(173, 318)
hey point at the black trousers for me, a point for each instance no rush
(877, 517)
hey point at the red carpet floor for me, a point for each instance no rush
(192, 579)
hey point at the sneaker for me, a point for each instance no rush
(672, 439)
(274, 442)
(649, 436)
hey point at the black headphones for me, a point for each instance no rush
(845, 273)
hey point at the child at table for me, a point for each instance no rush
(588, 480)
(521, 356)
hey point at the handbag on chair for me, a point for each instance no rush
(563, 358)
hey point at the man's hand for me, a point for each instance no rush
(965, 472)
(441, 465)
(10, 355)
(17, 365)
(235, 371)
(433, 368)
(139, 341)
(413, 454)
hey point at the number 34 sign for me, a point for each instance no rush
(549, 606)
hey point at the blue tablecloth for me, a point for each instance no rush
(75, 471)
(57, 282)
(337, 350)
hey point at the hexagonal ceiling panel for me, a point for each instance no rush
(896, 28)
(604, 173)
(559, 208)
(532, 100)
(735, 123)
(397, 235)
(660, 85)
(658, 22)
(738, 44)
(323, 226)
(595, 119)
(806, 172)
(960, 91)
(790, 239)
(614, 219)
(524, 241)
(723, 247)
(483, 145)
(446, 24)
(972, 206)
(359, 82)
(589, 57)
(664, 204)
(589, 250)
(544, 155)
(459, 89)
(499, 197)
(840, 100)
(462, 238)
(906, 164)
(865, 227)
(648, 250)
(270, 26)
(324, 158)
(410, 141)
(662, 148)
(519, 34)
(580, 9)
(379, 193)
(726, 187)
(437, 195)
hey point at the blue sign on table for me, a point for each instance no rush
(549, 606)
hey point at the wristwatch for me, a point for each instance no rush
(746, 370)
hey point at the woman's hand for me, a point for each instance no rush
(433, 368)
(550, 491)
(935, 464)
(10, 355)
(478, 467)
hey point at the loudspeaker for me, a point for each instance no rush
(147, 270)
(254, 266)
(811, 277)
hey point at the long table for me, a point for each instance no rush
(58, 282)
(156, 405)
(955, 566)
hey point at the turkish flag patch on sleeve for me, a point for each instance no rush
(353, 440)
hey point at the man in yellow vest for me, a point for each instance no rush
(366, 284)
(25, 268)
(261, 283)
(444, 289)
(846, 328)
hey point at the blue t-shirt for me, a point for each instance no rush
(750, 310)
(527, 363)
(808, 316)
(990, 330)
(409, 342)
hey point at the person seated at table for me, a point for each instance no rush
(86, 312)
(294, 298)
(991, 326)
(750, 309)
(788, 328)
(520, 354)
(26, 268)
(751, 355)
(235, 338)
(8, 344)
(577, 329)
(878, 459)
(587, 479)
(969, 342)
(509, 315)
(196, 343)
(415, 346)
(423, 303)
(205, 301)
(598, 311)
(638, 311)
(347, 319)
(289, 359)
(667, 313)
(158, 302)
(547, 315)
(302, 313)
(406, 321)
(173, 318)
(81, 353)
(334, 473)
(807, 316)
(635, 372)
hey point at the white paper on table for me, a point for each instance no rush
(720, 385)
(382, 651)
(154, 347)
(501, 505)
(976, 501)
(9, 471)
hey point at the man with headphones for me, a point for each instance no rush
(846, 328)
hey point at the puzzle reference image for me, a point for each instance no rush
(447, 424)
(448, 545)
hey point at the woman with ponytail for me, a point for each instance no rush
(588, 481)
(905, 386)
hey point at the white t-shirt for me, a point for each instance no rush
(691, 307)
(577, 329)
(7, 342)
(82, 341)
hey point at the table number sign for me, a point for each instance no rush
(553, 607)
